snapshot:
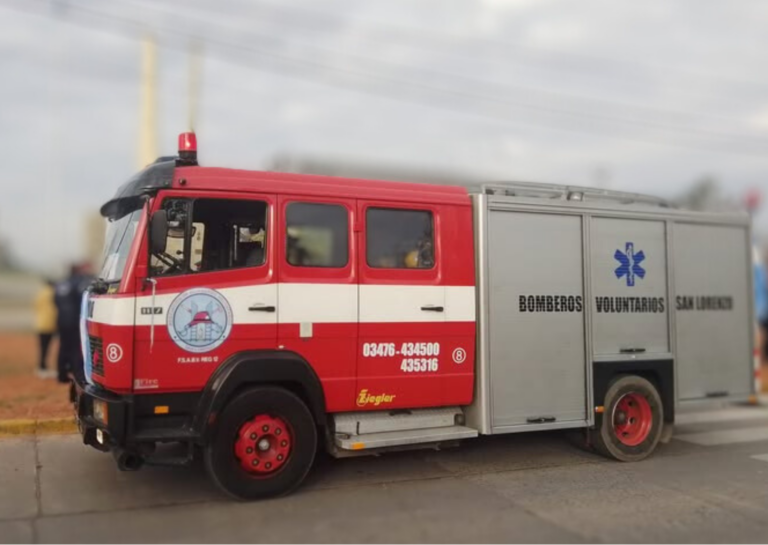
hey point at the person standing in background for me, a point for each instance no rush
(761, 305)
(45, 325)
(67, 297)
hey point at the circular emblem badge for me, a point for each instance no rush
(199, 320)
(114, 352)
(459, 355)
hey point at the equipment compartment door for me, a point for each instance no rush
(536, 325)
(713, 316)
(629, 285)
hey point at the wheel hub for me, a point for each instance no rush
(263, 444)
(632, 419)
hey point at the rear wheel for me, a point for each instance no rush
(263, 445)
(632, 420)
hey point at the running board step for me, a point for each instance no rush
(363, 423)
(404, 437)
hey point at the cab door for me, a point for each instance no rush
(317, 290)
(406, 342)
(212, 293)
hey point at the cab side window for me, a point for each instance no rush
(397, 238)
(208, 235)
(317, 235)
(234, 234)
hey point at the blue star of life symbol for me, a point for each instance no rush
(629, 264)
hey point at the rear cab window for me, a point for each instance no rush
(399, 238)
(400, 243)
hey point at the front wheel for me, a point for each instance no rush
(632, 420)
(263, 445)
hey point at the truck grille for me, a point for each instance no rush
(97, 355)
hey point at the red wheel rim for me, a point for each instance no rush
(632, 419)
(263, 444)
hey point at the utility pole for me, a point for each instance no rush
(55, 155)
(148, 117)
(195, 69)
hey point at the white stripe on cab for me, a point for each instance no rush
(309, 303)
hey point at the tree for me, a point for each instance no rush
(704, 194)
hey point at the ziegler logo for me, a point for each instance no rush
(629, 264)
(364, 398)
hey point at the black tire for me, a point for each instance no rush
(224, 467)
(606, 439)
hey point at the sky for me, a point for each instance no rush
(638, 96)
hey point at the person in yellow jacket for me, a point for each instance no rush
(45, 324)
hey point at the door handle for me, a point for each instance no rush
(717, 393)
(262, 308)
(541, 420)
(432, 308)
(632, 350)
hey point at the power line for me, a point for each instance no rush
(580, 101)
(641, 111)
(428, 39)
(321, 70)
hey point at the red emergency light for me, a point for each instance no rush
(188, 148)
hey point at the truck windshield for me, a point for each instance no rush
(118, 240)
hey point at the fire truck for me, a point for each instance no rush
(257, 317)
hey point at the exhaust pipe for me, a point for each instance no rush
(128, 461)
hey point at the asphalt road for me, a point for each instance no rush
(710, 484)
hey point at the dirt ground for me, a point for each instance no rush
(22, 393)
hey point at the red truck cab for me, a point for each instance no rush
(236, 310)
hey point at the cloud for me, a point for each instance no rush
(510, 4)
(555, 34)
(759, 120)
(648, 96)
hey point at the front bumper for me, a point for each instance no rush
(101, 435)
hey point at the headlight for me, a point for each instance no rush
(100, 411)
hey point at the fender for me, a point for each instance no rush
(659, 372)
(258, 367)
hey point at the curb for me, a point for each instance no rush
(10, 428)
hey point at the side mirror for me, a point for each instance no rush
(158, 232)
